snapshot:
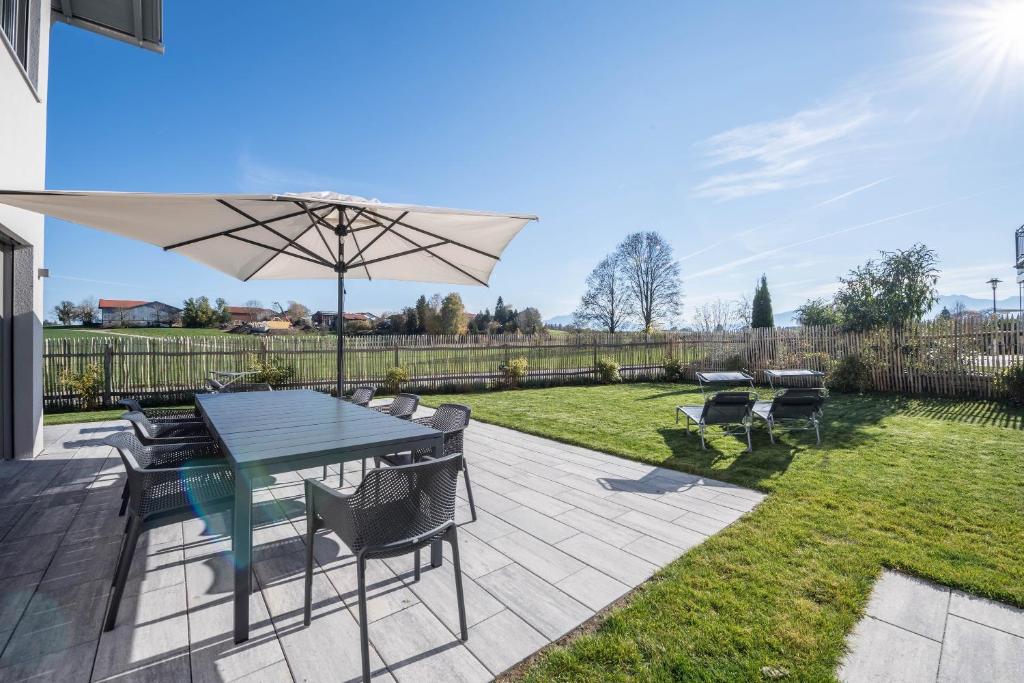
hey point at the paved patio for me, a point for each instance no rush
(918, 631)
(562, 532)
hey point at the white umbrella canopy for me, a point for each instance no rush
(317, 235)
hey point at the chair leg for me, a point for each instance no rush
(750, 446)
(364, 468)
(376, 461)
(702, 444)
(121, 578)
(364, 631)
(124, 500)
(817, 432)
(453, 538)
(469, 489)
(307, 605)
(771, 435)
(416, 565)
(324, 478)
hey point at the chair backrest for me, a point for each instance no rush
(363, 395)
(394, 504)
(450, 417)
(728, 407)
(239, 387)
(142, 425)
(404, 405)
(131, 405)
(797, 404)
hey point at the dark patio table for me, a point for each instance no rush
(268, 432)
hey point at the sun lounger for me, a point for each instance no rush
(725, 409)
(708, 380)
(809, 378)
(792, 410)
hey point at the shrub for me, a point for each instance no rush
(86, 384)
(394, 378)
(673, 369)
(514, 370)
(851, 374)
(1011, 380)
(270, 371)
(608, 370)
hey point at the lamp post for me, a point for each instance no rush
(994, 282)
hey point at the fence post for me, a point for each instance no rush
(108, 371)
(594, 368)
(397, 364)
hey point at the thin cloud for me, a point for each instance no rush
(825, 202)
(726, 267)
(257, 176)
(785, 154)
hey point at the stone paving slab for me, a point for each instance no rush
(915, 630)
(562, 532)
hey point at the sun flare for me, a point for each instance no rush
(1001, 28)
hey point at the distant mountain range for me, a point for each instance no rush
(788, 318)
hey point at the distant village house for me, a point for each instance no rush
(249, 314)
(130, 313)
(328, 320)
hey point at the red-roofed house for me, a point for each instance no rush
(249, 314)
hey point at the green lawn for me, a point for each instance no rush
(65, 332)
(931, 487)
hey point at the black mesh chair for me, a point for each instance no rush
(403, 406)
(159, 415)
(160, 496)
(726, 409)
(394, 511)
(239, 387)
(452, 419)
(361, 396)
(167, 455)
(793, 410)
(151, 433)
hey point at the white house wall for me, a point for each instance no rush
(22, 166)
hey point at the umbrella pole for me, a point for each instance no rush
(341, 303)
(341, 334)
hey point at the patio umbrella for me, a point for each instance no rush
(297, 236)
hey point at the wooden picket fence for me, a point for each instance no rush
(941, 358)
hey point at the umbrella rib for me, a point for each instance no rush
(427, 249)
(435, 236)
(377, 237)
(285, 253)
(310, 252)
(356, 240)
(317, 220)
(280, 251)
(229, 231)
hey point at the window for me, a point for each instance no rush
(14, 23)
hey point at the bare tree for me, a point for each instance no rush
(651, 277)
(714, 316)
(254, 307)
(743, 311)
(87, 311)
(604, 303)
(296, 312)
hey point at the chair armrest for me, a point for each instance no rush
(331, 506)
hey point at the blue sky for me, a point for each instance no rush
(794, 139)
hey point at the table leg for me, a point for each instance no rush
(241, 546)
(436, 556)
